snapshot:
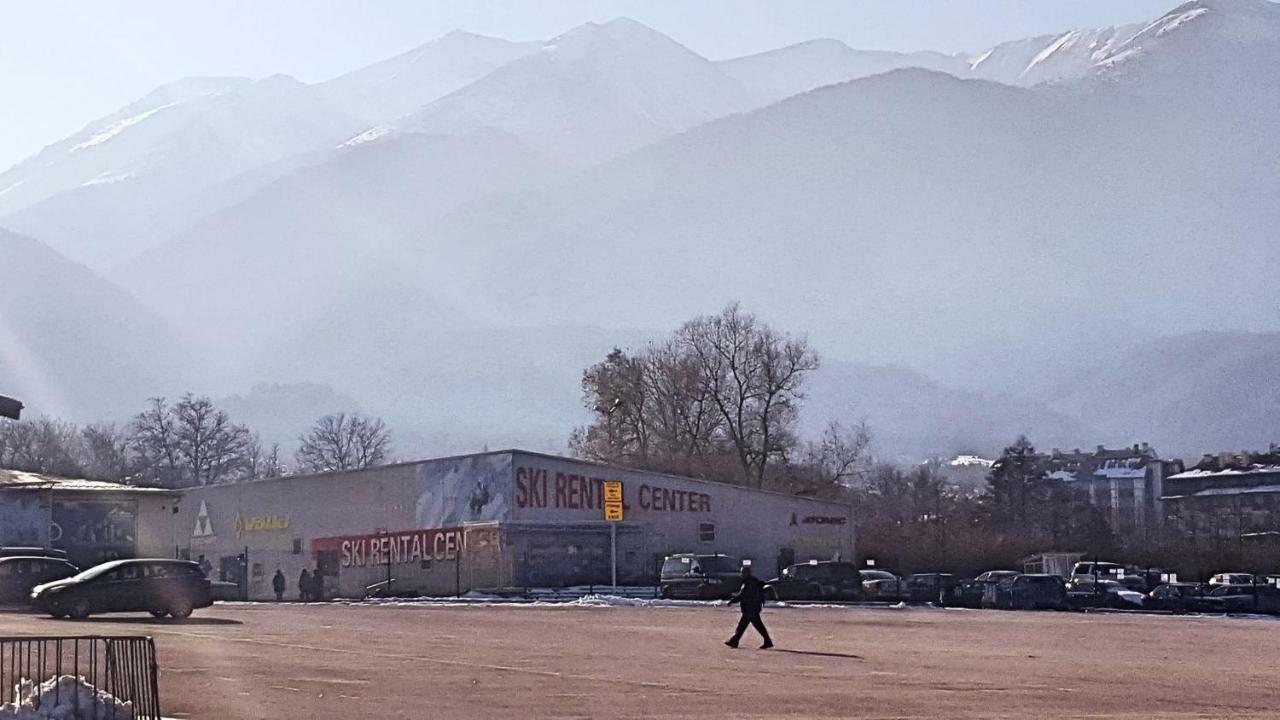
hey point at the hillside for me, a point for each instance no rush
(74, 346)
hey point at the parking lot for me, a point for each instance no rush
(250, 661)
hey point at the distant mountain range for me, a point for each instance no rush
(1070, 236)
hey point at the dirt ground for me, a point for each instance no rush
(248, 662)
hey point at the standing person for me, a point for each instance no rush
(317, 586)
(750, 597)
(277, 584)
(206, 566)
(304, 586)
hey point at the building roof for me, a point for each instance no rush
(1227, 473)
(332, 474)
(1237, 490)
(22, 480)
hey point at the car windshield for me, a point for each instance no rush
(97, 570)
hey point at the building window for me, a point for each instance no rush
(706, 532)
(297, 546)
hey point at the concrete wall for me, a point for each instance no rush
(524, 519)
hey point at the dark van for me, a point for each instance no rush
(700, 577)
(160, 587)
(18, 575)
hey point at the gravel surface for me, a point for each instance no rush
(256, 661)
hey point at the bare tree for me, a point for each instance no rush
(839, 456)
(344, 442)
(155, 442)
(212, 448)
(265, 462)
(106, 452)
(753, 375)
(190, 443)
(42, 446)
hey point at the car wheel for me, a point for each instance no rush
(665, 593)
(158, 613)
(180, 609)
(79, 609)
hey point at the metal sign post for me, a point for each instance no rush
(613, 516)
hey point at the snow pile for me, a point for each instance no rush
(64, 698)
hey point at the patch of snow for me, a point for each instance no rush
(1065, 41)
(63, 698)
(119, 127)
(1120, 57)
(970, 461)
(974, 63)
(367, 136)
(1175, 23)
(108, 177)
(14, 186)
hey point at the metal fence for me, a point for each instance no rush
(124, 667)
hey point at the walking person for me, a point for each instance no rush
(304, 586)
(277, 584)
(750, 598)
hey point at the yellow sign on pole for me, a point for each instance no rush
(613, 501)
(613, 491)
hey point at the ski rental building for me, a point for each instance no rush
(495, 520)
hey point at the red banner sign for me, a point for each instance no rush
(408, 546)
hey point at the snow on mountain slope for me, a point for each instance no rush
(593, 93)
(386, 90)
(960, 213)
(104, 193)
(72, 344)
(781, 73)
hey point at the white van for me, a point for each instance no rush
(1085, 571)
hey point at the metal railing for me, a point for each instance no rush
(123, 666)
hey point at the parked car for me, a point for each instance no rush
(1085, 593)
(931, 587)
(1182, 597)
(160, 587)
(979, 592)
(32, 551)
(699, 577)
(1031, 592)
(1231, 579)
(880, 585)
(824, 580)
(997, 575)
(18, 575)
(1250, 598)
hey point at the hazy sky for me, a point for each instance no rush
(65, 63)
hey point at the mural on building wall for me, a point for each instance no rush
(23, 522)
(94, 531)
(471, 489)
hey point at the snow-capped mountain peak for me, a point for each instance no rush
(594, 92)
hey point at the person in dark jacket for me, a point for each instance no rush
(277, 584)
(750, 597)
(304, 586)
